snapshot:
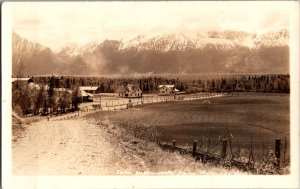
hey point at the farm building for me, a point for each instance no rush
(30, 83)
(130, 91)
(90, 89)
(86, 97)
(24, 80)
(87, 93)
(167, 90)
(16, 82)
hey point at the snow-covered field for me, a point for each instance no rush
(81, 147)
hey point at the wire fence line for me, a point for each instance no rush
(272, 160)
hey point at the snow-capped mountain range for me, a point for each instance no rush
(225, 52)
(181, 42)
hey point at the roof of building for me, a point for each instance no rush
(129, 87)
(22, 79)
(120, 89)
(88, 88)
(169, 86)
(83, 93)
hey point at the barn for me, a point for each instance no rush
(167, 90)
(23, 80)
(129, 91)
(87, 93)
(90, 89)
(86, 97)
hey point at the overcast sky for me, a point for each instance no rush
(56, 24)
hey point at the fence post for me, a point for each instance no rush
(174, 144)
(208, 145)
(194, 148)
(224, 149)
(284, 152)
(201, 144)
(237, 148)
(230, 149)
(277, 151)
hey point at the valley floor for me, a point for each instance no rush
(104, 143)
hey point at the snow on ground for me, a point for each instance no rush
(80, 147)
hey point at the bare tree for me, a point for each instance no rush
(75, 98)
(64, 101)
(39, 99)
(23, 99)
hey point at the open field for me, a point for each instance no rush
(261, 117)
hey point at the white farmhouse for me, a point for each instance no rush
(167, 90)
(130, 91)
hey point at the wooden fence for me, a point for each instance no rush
(135, 102)
(125, 104)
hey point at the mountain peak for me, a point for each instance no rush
(274, 38)
(34, 56)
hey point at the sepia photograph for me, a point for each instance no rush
(194, 89)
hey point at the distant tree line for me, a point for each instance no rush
(61, 94)
(110, 85)
(254, 83)
(279, 83)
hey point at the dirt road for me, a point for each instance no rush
(79, 147)
(65, 147)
